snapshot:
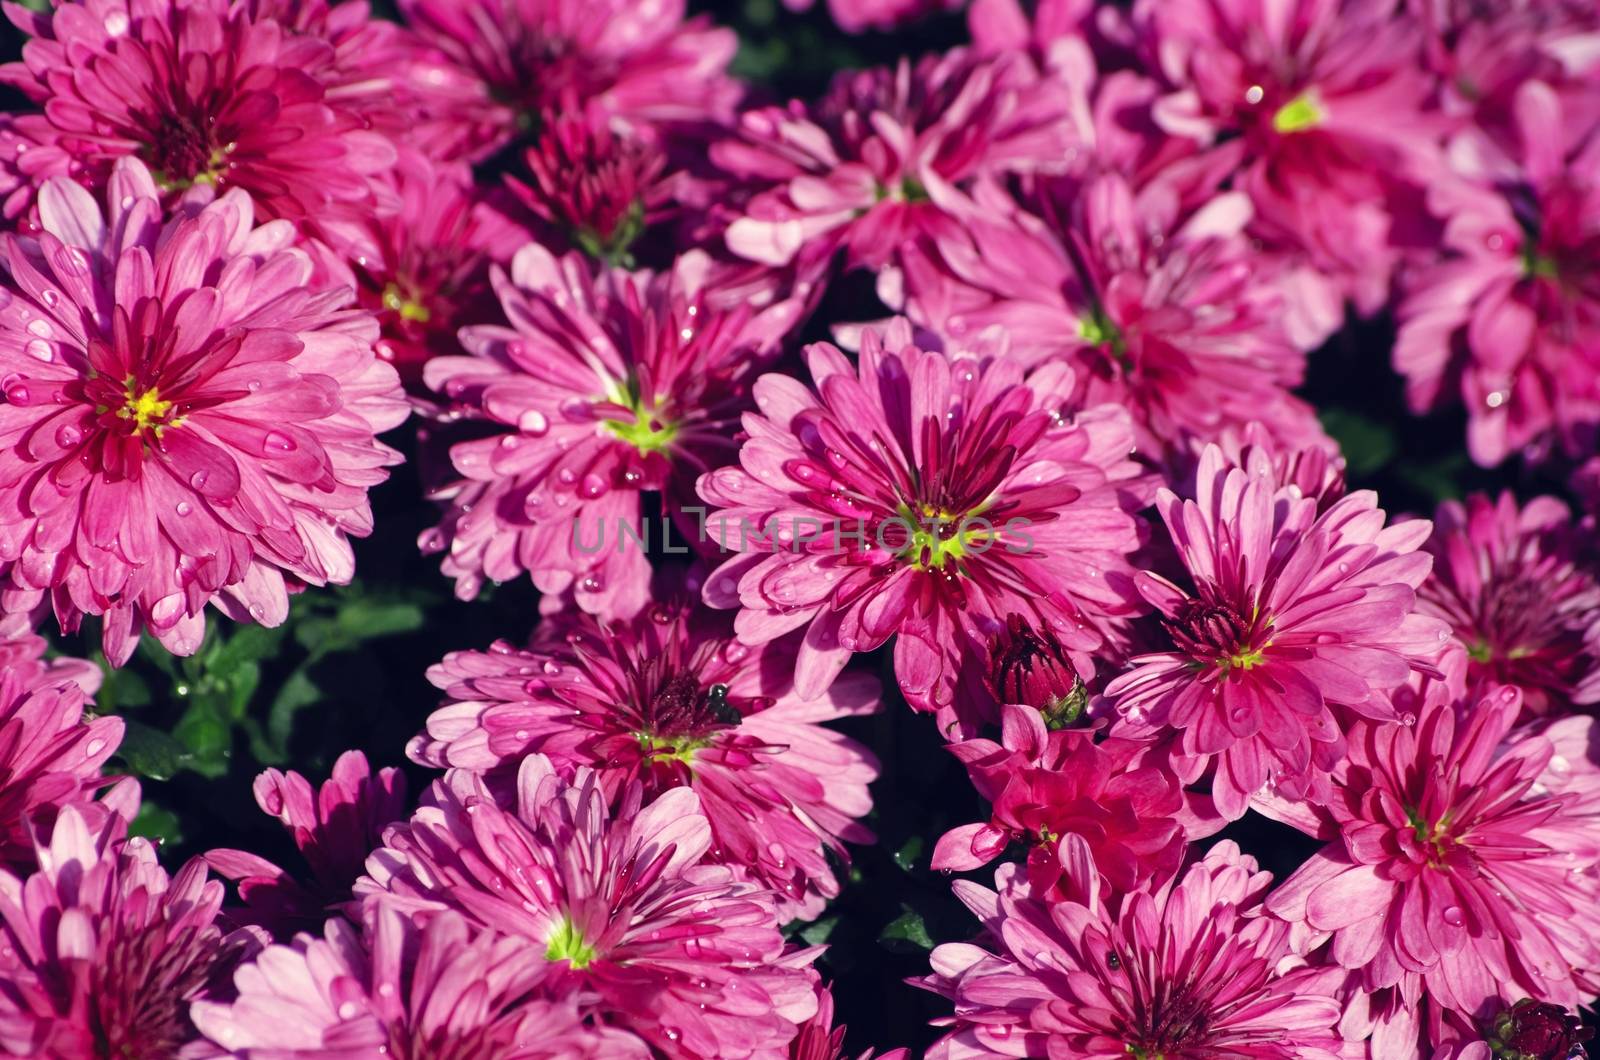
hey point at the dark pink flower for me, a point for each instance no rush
(889, 155)
(185, 420)
(422, 270)
(641, 65)
(622, 907)
(1293, 611)
(334, 828)
(1163, 307)
(50, 754)
(1515, 589)
(1187, 970)
(442, 990)
(204, 92)
(100, 952)
(605, 384)
(1510, 318)
(671, 699)
(1463, 862)
(856, 16)
(929, 497)
(1330, 98)
(1535, 1030)
(1047, 785)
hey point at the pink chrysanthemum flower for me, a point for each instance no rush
(1045, 785)
(889, 154)
(820, 1039)
(1159, 306)
(50, 754)
(926, 497)
(1189, 970)
(605, 384)
(334, 828)
(185, 422)
(445, 990)
(1330, 99)
(1292, 612)
(668, 700)
(642, 65)
(1463, 863)
(622, 907)
(423, 270)
(203, 92)
(1511, 317)
(1513, 587)
(856, 16)
(100, 952)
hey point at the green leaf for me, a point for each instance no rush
(298, 692)
(358, 619)
(906, 857)
(818, 931)
(151, 752)
(208, 734)
(1367, 445)
(157, 823)
(120, 689)
(906, 933)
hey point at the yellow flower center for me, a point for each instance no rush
(408, 308)
(1299, 114)
(146, 409)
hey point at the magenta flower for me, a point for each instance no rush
(185, 420)
(100, 952)
(889, 155)
(1045, 786)
(1463, 862)
(1158, 306)
(927, 497)
(642, 65)
(334, 828)
(1515, 589)
(668, 700)
(204, 92)
(819, 1039)
(605, 384)
(423, 271)
(1511, 316)
(856, 16)
(1330, 99)
(626, 914)
(1292, 613)
(444, 989)
(1188, 970)
(50, 755)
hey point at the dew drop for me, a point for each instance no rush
(1254, 94)
(592, 584)
(116, 23)
(41, 328)
(67, 436)
(94, 747)
(17, 394)
(533, 422)
(592, 486)
(386, 990)
(1453, 916)
(552, 667)
(1495, 399)
(279, 442)
(431, 540)
(183, 507)
(51, 297)
(348, 1010)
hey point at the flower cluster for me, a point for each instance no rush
(1042, 474)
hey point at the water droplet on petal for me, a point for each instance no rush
(51, 297)
(40, 350)
(1453, 916)
(68, 436)
(348, 1010)
(533, 422)
(17, 394)
(183, 508)
(116, 23)
(552, 667)
(41, 328)
(279, 442)
(198, 480)
(94, 747)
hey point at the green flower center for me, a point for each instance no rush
(409, 308)
(938, 537)
(647, 431)
(1299, 114)
(568, 944)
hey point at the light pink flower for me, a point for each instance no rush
(643, 65)
(1463, 864)
(100, 952)
(334, 828)
(1510, 318)
(671, 699)
(203, 92)
(1292, 614)
(1187, 970)
(605, 384)
(1330, 99)
(928, 497)
(1516, 590)
(1046, 785)
(444, 990)
(185, 421)
(622, 907)
(888, 155)
(50, 754)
